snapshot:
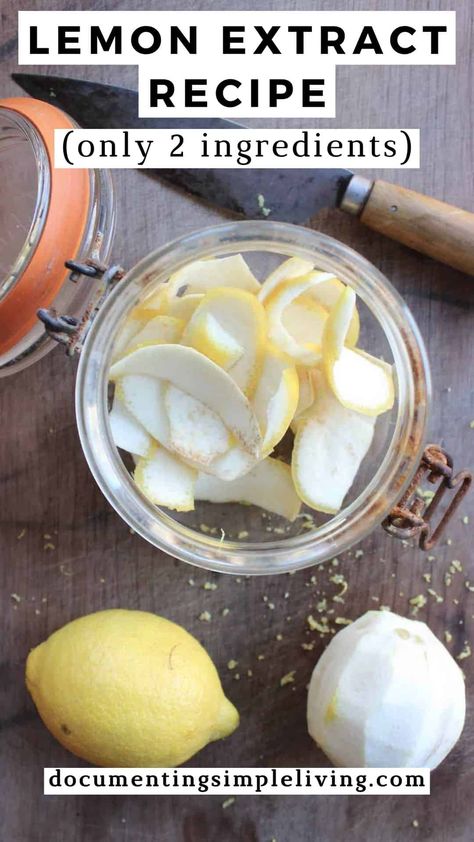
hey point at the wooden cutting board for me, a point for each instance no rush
(64, 552)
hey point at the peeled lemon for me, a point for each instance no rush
(128, 688)
(386, 693)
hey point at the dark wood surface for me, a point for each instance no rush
(91, 561)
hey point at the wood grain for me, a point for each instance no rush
(434, 228)
(46, 489)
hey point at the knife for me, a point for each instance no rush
(427, 225)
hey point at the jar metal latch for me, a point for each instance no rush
(67, 330)
(413, 516)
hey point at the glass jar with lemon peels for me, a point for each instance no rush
(361, 471)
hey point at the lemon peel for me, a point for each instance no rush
(304, 352)
(294, 267)
(360, 381)
(127, 433)
(165, 480)
(268, 485)
(327, 294)
(229, 327)
(330, 443)
(159, 329)
(276, 397)
(204, 275)
(199, 377)
(206, 334)
(196, 432)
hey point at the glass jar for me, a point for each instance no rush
(236, 538)
(47, 216)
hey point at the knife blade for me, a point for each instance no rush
(433, 228)
(290, 195)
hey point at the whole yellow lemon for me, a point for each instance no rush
(128, 688)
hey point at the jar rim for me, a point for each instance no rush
(387, 485)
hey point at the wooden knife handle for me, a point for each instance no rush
(434, 228)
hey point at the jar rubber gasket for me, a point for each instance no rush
(62, 234)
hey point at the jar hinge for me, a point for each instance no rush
(67, 330)
(412, 516)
